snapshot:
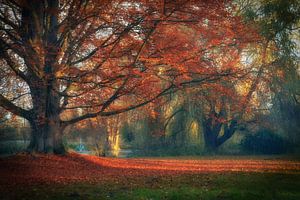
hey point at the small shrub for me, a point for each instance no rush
(265, 141)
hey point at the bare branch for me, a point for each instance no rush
(6, 104)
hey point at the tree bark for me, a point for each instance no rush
(210, 142)
(46, 138)
(212, 134)
(46, 126)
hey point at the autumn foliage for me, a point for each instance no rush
(75, 60)
(48, 169)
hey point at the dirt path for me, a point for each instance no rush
(47, 169)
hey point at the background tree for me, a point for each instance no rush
(278, 22)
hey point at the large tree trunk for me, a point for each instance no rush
(211, 131)
(210, 139)
(46, 138)
(47, 129)
(210, 144)
(41, 31)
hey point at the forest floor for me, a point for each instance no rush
(76, 176)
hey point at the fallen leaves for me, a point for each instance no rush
(49, 169)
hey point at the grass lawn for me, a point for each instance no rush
(219, 186)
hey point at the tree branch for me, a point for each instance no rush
(8, 105)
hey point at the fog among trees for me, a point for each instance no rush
(150, 78)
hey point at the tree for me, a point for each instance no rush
(274, 75)
(278, 22)
(102, 58)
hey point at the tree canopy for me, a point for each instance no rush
(66, 61)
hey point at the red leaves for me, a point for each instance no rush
(45, 169)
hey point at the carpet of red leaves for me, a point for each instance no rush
(39, 169)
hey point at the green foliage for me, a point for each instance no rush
(249, 14)
(278, 18)
(12, 146)
(184, 187)
(8, 133)
(13, 140)
(278, 22)
(161, 150)
(147, 137)
(127, 133)
(266, 142)
(72, 146)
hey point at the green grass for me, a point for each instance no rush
(246, 186)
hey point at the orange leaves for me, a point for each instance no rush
(46, 169)
(131, 51)
(152, 46)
